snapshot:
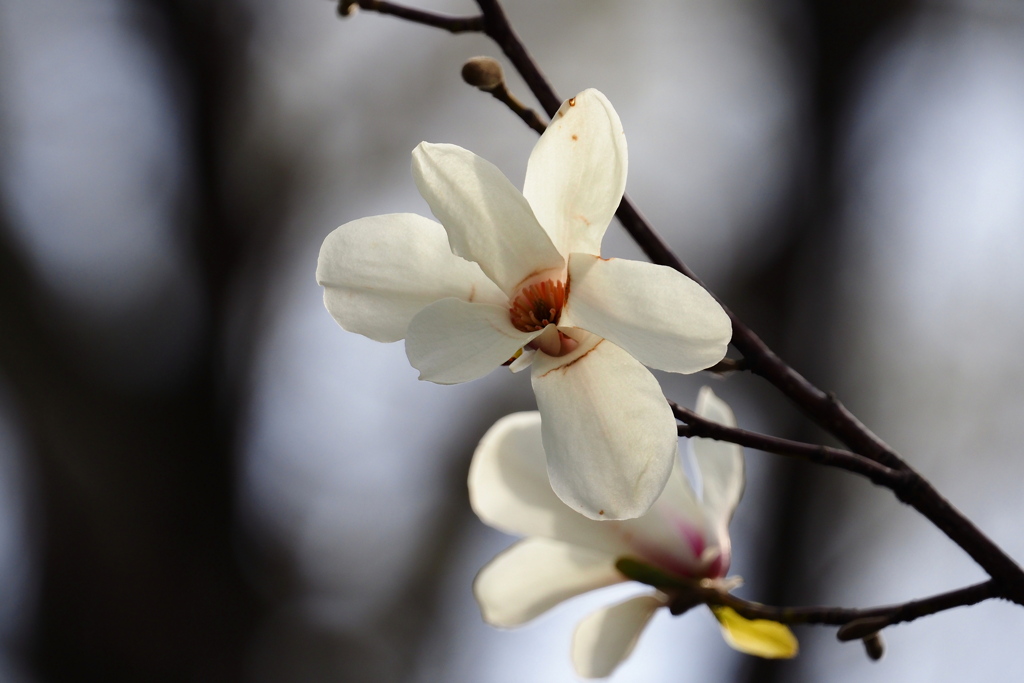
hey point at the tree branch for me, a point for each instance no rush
(498, 29)
(906, 484)
(442, 21)
(486, 74)
(818, 454)
(869, 620)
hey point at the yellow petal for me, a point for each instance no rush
(758, 637)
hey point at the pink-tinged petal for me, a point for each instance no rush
(487, 219)
(577, 173)
(673, 535)
(681, 534)
(661, 317)
(608, 433)
(606, 638)
(536, 574)
(452, 341)
(720, 463)
(379, 272)
(509, 490)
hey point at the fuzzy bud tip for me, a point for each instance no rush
(483, 72)
(874, 646)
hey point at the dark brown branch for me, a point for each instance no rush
(873, 618)
(442, 21)
(892, 614)
(823, 408)
(908, 486)
(529, 116)
(684, 594)
(820, 455)
(486, 74)
(498, 29)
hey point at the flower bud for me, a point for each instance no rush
(874, 646)
(483, 72)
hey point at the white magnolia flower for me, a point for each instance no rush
(519, 275)
(683, 538)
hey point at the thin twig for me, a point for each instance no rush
(442, 21)
(906, 484)
(498, 29)
(839, 616)
(529, 116)
(820, 455)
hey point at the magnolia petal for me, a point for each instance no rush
(509, 489)
(577, 173)
(661, 317)
(679, 499)
(452, 341)
(720, 463)
(758, 637)
(522, 361)
(673, 535)
(536, 574)
(606, 638)
(608, 432)
(379, 272)
(487, 219)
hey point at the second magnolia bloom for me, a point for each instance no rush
(682, 540)
(518, 276)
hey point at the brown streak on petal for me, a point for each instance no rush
(472, 294)
(572, 362)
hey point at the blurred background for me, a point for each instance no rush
(203, 478)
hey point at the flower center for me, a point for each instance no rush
(537, 305)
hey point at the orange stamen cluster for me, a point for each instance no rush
(538, 305)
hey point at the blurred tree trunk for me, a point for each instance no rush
(796, 293)
(140, 577)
